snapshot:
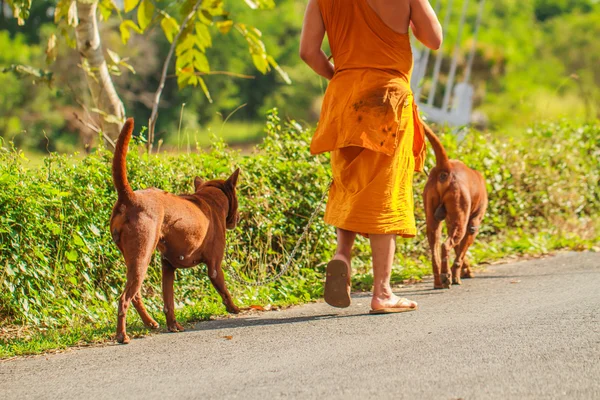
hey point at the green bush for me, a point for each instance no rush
(59, 267)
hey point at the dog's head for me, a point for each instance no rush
(228, 188)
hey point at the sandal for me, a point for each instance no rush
(337, 284)
(397, 308)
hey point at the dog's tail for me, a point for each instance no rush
(441, 158)
(119, 167)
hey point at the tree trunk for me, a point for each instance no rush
(99, 80)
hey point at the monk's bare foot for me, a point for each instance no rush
(391, 301)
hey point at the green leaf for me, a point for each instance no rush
(61, 10)
(125, 64)
(106, 8)
(201, 62)
(125, 28)
(144, 14)
(204, 89)
(169, 26)
(114, 57)
(78, 241)
(203, 36)
(183, 79)
(72, 255)
(131, 4)
(260, 63)
(186, 44)
(205, 16)
(224, 26)
(279, 70)
(72, 19)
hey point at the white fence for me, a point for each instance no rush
(457, 102)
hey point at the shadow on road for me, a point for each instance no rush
(257, 321)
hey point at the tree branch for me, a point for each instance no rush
(163, 77)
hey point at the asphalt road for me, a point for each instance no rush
(523, 330)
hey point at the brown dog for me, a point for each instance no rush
(457, 194)
(187, 229)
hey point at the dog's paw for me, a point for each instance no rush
(446, 283)
(152, 324)
(123, 338)
(176, 327)
(456, 281)
(467, 275)
(232, 309)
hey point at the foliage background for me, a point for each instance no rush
(536, 60)
(60, 270)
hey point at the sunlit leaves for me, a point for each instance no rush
(106, 8)
(144, 14)
(225, 26)
(130, 4)
(191, 58)
(203, 36)
(262, 4)
(261, 59)
(72, 18)
(20, 9)
(26, 71)
(62, 10)
(169, 26)
(116, 61)
(125, 29)
(51, 49)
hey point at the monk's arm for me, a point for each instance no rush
(425, 24)
(313, 32)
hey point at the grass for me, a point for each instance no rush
(234, 133)
(61, 274)
(28, 340)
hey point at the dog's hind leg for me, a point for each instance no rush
(434, 235)
(168, 279)
(456, 231)
(461, 264)
(139, 306)
(137, 251)
(466, 272)
(215, 273)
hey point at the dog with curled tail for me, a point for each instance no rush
(187, 229)
(456, 194)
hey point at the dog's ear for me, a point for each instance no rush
(197, 183)
(232, 180)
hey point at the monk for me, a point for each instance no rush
(370, 124)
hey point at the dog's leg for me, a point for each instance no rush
(466, 272)
(168, 279)
(458, 261)
(139, 306)
(215, 273)
(456, 231)
(137, 251)
(461, 263)
(434, 234)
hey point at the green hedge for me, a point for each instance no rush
(60, 268)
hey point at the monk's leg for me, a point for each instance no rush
(345, 242)
(383, 248)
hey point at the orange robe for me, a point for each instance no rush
(369, 122)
